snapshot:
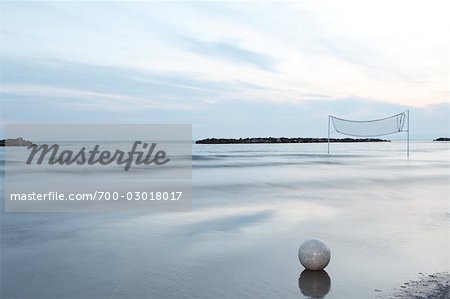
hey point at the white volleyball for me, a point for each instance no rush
(314, 254)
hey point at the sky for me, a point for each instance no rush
(231, 69)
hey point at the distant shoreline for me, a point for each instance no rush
(283, 140)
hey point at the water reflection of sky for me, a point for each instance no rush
(384, 218)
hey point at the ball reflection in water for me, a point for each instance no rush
(314, 284)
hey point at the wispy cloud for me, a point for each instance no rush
(87, 98)
(230, 52)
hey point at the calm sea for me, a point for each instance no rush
(385, 218)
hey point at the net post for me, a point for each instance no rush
(407, 135)
(329, 116)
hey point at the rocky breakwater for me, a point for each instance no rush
(284, 140)
(15, 142)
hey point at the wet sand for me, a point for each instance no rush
(430, 286)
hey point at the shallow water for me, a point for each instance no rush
(385, 218)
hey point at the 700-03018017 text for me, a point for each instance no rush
(137, 195)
